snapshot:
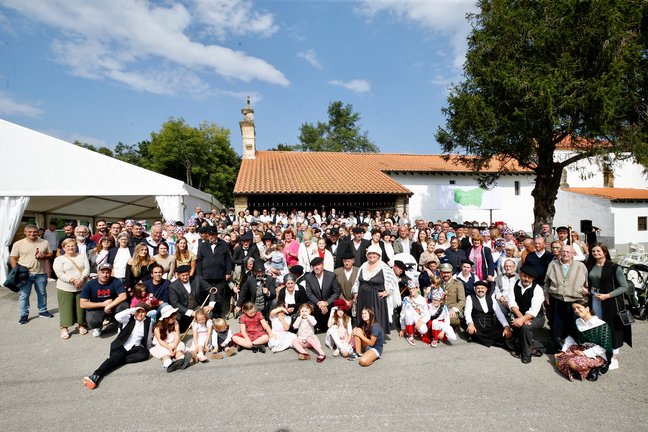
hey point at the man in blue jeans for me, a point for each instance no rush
(32, 252)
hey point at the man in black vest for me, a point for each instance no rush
(130, 346)
(258, 289)
(187, 294)
(526, 306)
(214, 265)
(486, 323)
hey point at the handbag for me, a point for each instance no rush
(624, 317)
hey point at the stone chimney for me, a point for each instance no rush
(248, 132)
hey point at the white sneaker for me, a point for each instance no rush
(336, 352)
(96, 332)
(614, 364)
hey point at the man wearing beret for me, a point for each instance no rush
(455, 294)
(322, 290)
(486, 323)
(187, 294)
(528, 314)
(346, 277)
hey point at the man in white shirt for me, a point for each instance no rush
(486, 323)
(528, 314)
(130, 346)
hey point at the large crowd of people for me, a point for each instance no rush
(354, 277)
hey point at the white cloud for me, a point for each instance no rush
(97, 142)
(223, 17)
(442, 16)
(357, 85)
(11, 107)
(311, 57)
(143, 45)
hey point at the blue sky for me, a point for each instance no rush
(111, 71)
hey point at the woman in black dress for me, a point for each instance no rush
(377, 286)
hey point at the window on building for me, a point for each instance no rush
(452, 182)
(642, 223)
(516, 185)
(608, 177)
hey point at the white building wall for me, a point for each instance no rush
(571, 208)
(516, 211)
(625, 217)
(589, 172)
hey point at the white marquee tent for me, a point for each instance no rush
(43, 175)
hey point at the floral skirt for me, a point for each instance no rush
(583, 363)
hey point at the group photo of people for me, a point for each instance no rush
(321, 284)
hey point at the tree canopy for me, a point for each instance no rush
(544, 72)
(340, 134)
(200, 156)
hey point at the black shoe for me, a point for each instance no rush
(576, 376)
(526, 360)
(46, 314)
(603, 369)
(175, 365)
(186, 361)
(536, 352)
(23, 319)
(353, 356)
(255, 349)
(239, 349)
(261, 349)
(593, 374)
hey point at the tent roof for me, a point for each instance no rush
(64, 178)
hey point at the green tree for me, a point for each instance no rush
(103, 150)
(340, 134)
(202, 157)
(543, 71)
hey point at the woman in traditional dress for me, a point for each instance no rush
(607, 285)
(377, 287)
(588, 352)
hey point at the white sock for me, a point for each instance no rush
(166, 363)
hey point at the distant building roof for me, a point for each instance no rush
(614, 194)
(340, 173)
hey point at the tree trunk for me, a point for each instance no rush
(188, 173)
(547, 183)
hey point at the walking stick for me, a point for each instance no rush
(212, 290)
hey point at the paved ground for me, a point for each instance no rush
(466, 386)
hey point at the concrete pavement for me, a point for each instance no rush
(464, 387)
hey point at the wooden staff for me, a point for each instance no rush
(212, 290)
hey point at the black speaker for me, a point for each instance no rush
(585, 225)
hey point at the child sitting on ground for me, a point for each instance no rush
(167, 345)
(201, 329)
(369, 338)
(305, 325)
(221, 339)
(280, 323)
(338, 335)
(414, 313)
(255, 331)
(440, 316)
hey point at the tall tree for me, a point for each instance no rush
(202, 157)
(340, 134)
(543, 72)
